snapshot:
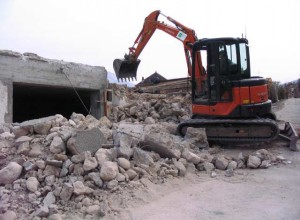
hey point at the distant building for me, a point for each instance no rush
(155, 78)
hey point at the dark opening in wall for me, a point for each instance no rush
(31, 101)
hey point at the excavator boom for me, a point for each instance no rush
(126, 68)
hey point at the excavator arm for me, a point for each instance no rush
(127, 68)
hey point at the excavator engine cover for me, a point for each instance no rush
(126, 69)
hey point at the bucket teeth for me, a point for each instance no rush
(125, 69)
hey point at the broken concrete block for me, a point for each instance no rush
(103, 155)
(87, 140)
(142, 157)
(40, 126)
(191, 157)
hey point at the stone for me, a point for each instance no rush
(142, 157)
(162, 143)
(66, 192)
(78, 158)
(124, 163)
(57, 145)
(265, 164)
(42, 128)
(149, 120)
(32, 184)
(90, 162)
(49, 180)
(21, 140)
(181, 168)
(197, 136)
(78, 169)
(79, 188)
(49, 199)
(208, 167)
(221, 163)
(280, 158)
(133, 110)
(93, 210)
(24, 148)
(253, 162)
(55, 163)
(36, 150)
(86, 140)
(213, 174)
(112, 184)
(229, 172)
(28, 166)
(103, 155)
(51, 170)
(232, 165)
(95, 176)
(131, 174)
(65, 133)
(41, 164)
(55, 217)
(19, 131)
(104, 121)
(10, 173)
(108, 171)
(9, 215)
(42, 212)
(191, 157)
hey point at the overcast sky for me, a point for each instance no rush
(95, 32)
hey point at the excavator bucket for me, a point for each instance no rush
(126, 69)
(290, 135)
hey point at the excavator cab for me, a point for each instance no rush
(227, 62)
(125, 68)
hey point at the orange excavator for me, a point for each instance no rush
(228, 102)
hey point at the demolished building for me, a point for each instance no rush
(32, 87)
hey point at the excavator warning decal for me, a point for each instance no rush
(181, 36)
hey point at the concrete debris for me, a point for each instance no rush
(61, 166)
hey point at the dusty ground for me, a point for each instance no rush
(272, 193)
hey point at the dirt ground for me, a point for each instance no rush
(272, 193)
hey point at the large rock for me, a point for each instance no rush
(221, 163)
(253, 162)
(10, 173)
(87, 140)
(109, 171)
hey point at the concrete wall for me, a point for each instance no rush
(31, 69)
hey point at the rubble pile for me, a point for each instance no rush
(151, 108)
(53, 166)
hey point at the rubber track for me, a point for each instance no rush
(203, 123)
